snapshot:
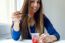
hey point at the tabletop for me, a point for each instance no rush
(24, 41)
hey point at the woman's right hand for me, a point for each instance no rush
(16, 17)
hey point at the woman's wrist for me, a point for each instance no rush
(51, 39)
(16, 25)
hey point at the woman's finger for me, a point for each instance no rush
(16, 16)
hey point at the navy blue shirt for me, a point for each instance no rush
(49, 27)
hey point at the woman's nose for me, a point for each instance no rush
(35, 4)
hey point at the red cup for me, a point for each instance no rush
(34, 40)
(35, 37)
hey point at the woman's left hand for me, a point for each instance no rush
(45, 38)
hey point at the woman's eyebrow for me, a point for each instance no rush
(31, 0)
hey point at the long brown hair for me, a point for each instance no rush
(38, 17)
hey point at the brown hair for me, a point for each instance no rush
(24, 22)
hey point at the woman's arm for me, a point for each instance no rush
(51, 30)
(16, 17)
(15, 31)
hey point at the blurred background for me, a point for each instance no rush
(53, 9)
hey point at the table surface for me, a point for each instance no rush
(24, 41)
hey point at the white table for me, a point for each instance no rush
(13, 41)
(24, 41)
(61, 41)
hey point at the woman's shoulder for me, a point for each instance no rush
(45, 18)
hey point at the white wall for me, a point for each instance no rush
(6, 9)
(19, 4)
(55, 11)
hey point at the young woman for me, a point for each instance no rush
(31, 20)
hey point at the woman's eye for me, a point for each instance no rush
(38, 2)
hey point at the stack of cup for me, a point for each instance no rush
(35, 37)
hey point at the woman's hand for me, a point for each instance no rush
(45, 38)
(16, 17)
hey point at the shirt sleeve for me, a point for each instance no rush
(50, 29)
(15, 34)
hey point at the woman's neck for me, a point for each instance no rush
(31, 15)
(31, 20)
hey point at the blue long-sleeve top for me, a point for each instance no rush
(49, 27)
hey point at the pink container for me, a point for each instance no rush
(35, 37)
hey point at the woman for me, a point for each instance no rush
(31, 20)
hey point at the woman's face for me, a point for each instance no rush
(35, 5)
